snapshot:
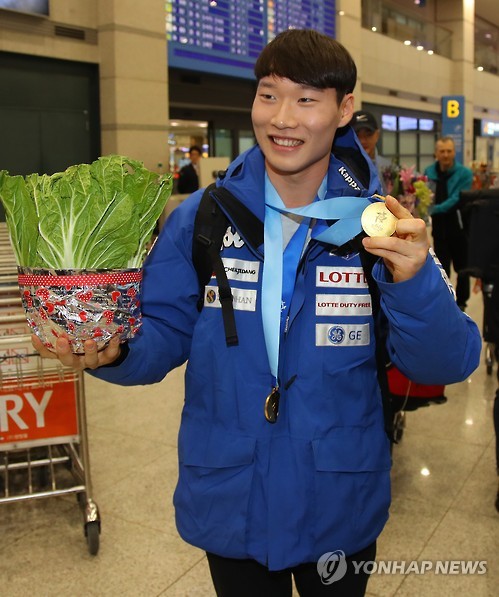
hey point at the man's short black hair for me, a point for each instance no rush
(308, 58)
(196, 148)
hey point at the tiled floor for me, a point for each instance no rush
(446, 515)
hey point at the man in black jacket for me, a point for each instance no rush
(448, 178)
(188, 180)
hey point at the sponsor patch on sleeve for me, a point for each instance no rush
(341, 334)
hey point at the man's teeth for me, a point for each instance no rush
(287, 142)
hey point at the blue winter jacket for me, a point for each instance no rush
(319, 478)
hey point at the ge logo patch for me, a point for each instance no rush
(332, 566)
(211, 296)
(336, 334)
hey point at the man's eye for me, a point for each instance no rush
(306, 100)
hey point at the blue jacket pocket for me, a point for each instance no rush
(213, 447)
(215, 480)
(352, 449)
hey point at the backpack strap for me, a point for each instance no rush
(380, 334)
(210, 226)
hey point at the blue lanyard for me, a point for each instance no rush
(279, 268)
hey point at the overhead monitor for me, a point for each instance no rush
(225, 37)
(490, 128)
(35, 7)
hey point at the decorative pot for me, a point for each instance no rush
(81, 304)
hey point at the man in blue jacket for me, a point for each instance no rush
(301, 488)
(449, 178)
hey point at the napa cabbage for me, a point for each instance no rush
(91, 216)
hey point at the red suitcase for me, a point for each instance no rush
(410, 395)
(406, 395)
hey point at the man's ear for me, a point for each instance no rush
(346, 109)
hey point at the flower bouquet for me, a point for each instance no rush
(410, 188)
(80, 238)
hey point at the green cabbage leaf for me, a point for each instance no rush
(91, 216)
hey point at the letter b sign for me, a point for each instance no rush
(453, 108)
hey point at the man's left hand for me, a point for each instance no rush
(405, 252)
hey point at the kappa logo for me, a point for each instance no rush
(232, 238)
(348, 178)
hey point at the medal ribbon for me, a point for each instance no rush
(279, 268)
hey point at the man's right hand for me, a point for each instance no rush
(91, 359)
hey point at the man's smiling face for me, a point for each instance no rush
(295, 124)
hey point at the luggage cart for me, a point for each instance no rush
(43, 431)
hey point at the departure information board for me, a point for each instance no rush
(226, 36)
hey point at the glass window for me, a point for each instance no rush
(223, 143)
(246, 140)
(426, 124)
(408, 143)
(408, 124)
(405, 138)
(409, 160)
(389, 143)
(424, 161)
(388, 122)
(427, 144)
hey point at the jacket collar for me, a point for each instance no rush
(245, 176)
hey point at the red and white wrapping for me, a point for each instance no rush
(81, 304)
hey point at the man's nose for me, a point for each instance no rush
(284, 117)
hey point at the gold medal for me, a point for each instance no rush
(271, 409)
(378, 220)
